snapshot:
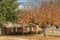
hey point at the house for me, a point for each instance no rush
(19, 28)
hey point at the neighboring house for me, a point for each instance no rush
(20, 28)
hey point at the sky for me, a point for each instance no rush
(22, 0)
(24, 3)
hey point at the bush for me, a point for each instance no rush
(34, 32)
(15, 33)
(39, 32)
(31, 32)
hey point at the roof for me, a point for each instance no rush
(13, 25)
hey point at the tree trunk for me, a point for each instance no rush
(44, 32)
(52, 30)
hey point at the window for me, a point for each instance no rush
(30, 29)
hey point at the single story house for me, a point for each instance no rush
(19, 28)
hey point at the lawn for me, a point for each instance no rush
(29, 37)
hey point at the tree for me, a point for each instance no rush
(50, 12)
(47, 13)
(7, 10)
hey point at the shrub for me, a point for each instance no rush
(31, 32)
(16, 33)
(39, 32)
